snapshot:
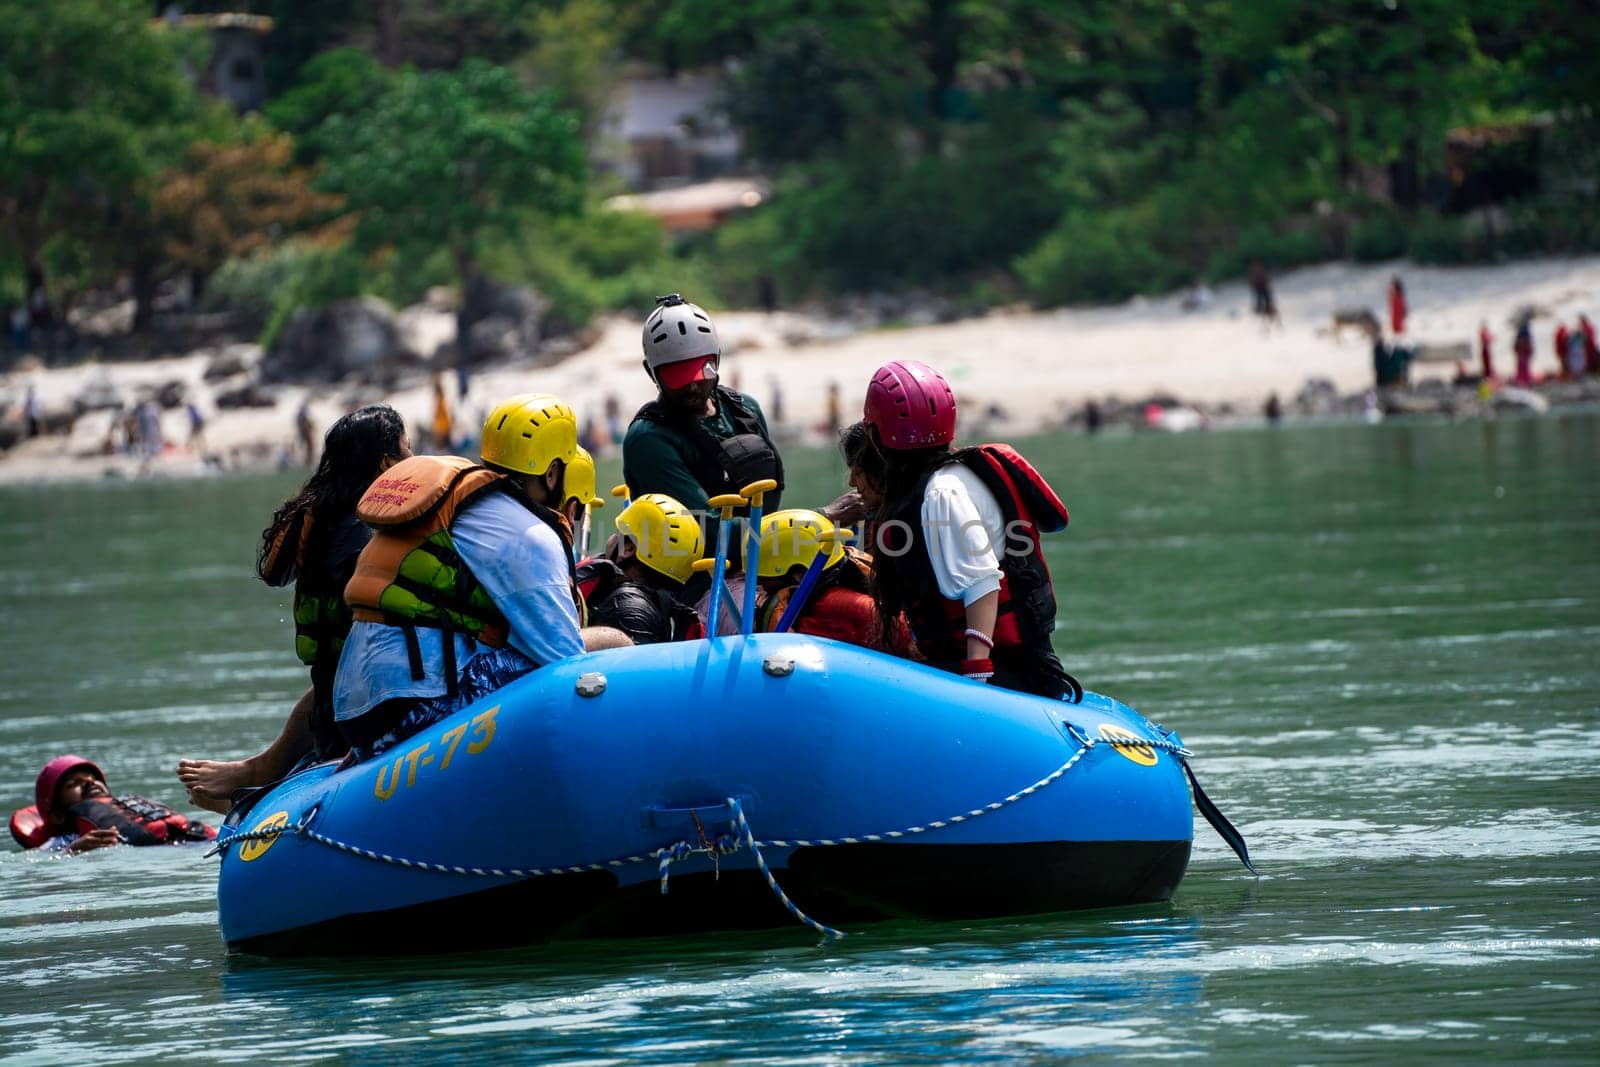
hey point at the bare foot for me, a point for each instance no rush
(221, 807)
(212, 782)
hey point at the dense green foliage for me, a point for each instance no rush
(447, 159)
(988, 149)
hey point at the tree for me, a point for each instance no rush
(344, 81)
(451, 159)
(92, 101)
(234, 199)
(574, 54)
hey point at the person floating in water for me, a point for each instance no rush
(75, 811)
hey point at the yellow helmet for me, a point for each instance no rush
(790, 538)
(665, 535)
(528, 432)
(580, 480)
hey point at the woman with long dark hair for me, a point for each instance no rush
(313, 540)
(955, 536)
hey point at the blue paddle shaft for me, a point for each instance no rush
(802, 593)
(716, 579)
(752, 557)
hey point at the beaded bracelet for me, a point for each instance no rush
(988, 642)
(978, 669)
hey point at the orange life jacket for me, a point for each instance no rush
(410, 573)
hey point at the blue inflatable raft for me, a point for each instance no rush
(735, 783)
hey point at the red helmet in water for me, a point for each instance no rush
(44, 787)
(911, 406)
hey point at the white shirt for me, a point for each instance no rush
(965, 532)
(519, 562)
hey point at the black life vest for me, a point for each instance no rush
(728, 464)
(321, 617)
(1026, 612)
(137, 820)
(646, 614)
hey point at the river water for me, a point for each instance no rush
(1382, 643)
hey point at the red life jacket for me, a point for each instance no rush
(1027, 609)
(840, 607)
(138, 821)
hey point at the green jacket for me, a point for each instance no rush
(658, 459)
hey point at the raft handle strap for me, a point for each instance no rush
(413, 652)
(452, 684)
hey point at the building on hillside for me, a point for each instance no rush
(664, 130)
(237, 69)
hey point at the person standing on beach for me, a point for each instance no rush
(151, 441)
(197, 427)
(442, 425)
(1523, 348)
(1397, 306)
(1576, 358)
(313, 540)
(1591, 350)
(1262, 301)
(32, 424)
(306, 432)
(1485, 355)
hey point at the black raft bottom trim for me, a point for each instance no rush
(837, 885)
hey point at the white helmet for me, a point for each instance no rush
(677, 332)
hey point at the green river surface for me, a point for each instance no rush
(1381, 642)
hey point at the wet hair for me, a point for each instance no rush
(353, 451)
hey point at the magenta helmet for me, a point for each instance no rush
(44, 787)
(911, 406)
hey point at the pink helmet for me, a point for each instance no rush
(911, 406)
(44, 787)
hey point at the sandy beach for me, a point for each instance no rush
(1035, 367)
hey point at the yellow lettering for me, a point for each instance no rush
(454, 737)
(411, 763)
(377, 787)
(482, 724)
